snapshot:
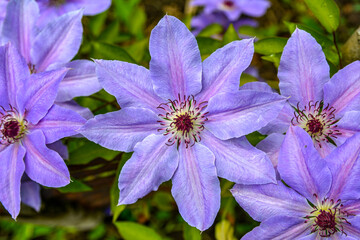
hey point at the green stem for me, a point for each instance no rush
(337, 50)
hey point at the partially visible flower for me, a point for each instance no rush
(179, 116)
(323, 201)
(28, 121)
(328, 109)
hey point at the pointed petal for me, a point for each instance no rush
(271, 146)
(81, 80)
(223, 68)
(238, 161)
(300, 165)
(343, 90)
(30, 194)
(279, 228)
(281, 123)
(129, 83)
(268, 200)
(13, 73)
(20, 25)
(11, 170)
(344, 164)
(240, 113)
(121, 130)
(196, 187)
(40, 93)
(152, 163)
(60, 148)
(303, 69)
(175, 65)
(96, 7)
(59, 123)
(42, 164)
(58, 42)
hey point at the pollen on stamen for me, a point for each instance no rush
(182, 120)
(13, 126)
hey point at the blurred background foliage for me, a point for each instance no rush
(87, 207)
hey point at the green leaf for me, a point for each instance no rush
(97, 23)
(230, 35)
(268, 46)
(111, 52)
(207, 45)
(211, 30)
(137, 24)
(191, 233)
(135, 231)
(224, 231)
(274, 58)
(110, 33)
(75, 186)
(327, 12)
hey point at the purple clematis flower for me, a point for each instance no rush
(323, 201)
(28, 121)
(179, 116)
(51, 47)
(328, 109)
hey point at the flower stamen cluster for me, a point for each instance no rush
(318, 121)
(228, 5)
(183, 120)
(13, 126)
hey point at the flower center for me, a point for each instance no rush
(327, 217)
(182, 120)
(12, 126)
(227, 5)
(318, 121)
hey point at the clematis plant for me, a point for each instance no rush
(179, 116)
(323, 197)
(328, 109)
(28, 121)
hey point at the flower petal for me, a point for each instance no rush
(238, 161)
(268, 200)
(58, 123)
(281, 123)
(300, 165)
(152, 163)
(42, 164)
(40, 93)
(81, 80)
(58, 42)
(344, 164)
(30, 194)
(255, 8)
(353, 229)
(175, 65)
(121, 130)
(271, 146)
(222, 69)
(196, 187)
(129, 83)
(95, 7)
(11, 170)
(343, 90)
(240, 113)
(72, 105)
(20, 25)
(303, 69)
(60, 148)
(256, 86)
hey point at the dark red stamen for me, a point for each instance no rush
(229, 4)
(11, 129)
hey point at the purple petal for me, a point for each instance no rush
(343, 90)
(255, 8)
(175, 65)
(20, 25)
(81, 80)
(58, 123)
(281, 123)
(58, 42)
(129, 83)
(271, 146)
(353, 229)
(72, 105)
(222, 70)
(39, 94)
(268, 200)
(30, 194)
(301, 166)
(196, 188)
(13, 73)
(95, 7)
(238, 161)
(303, 69)
(152, 163)
(60, 148)
(349, 121)
(240, 113)
(121, 130)
(280, 227)
(11, 170)
(42, 164)
(257, 86)
(344, 164)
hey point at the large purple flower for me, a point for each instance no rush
(51, 47)
(323, 200)
(326, 108)
(28, 121)
(179, 117)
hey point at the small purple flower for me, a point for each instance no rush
(179, 116)
(328, 109)
(28, 121)
(323, 200)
